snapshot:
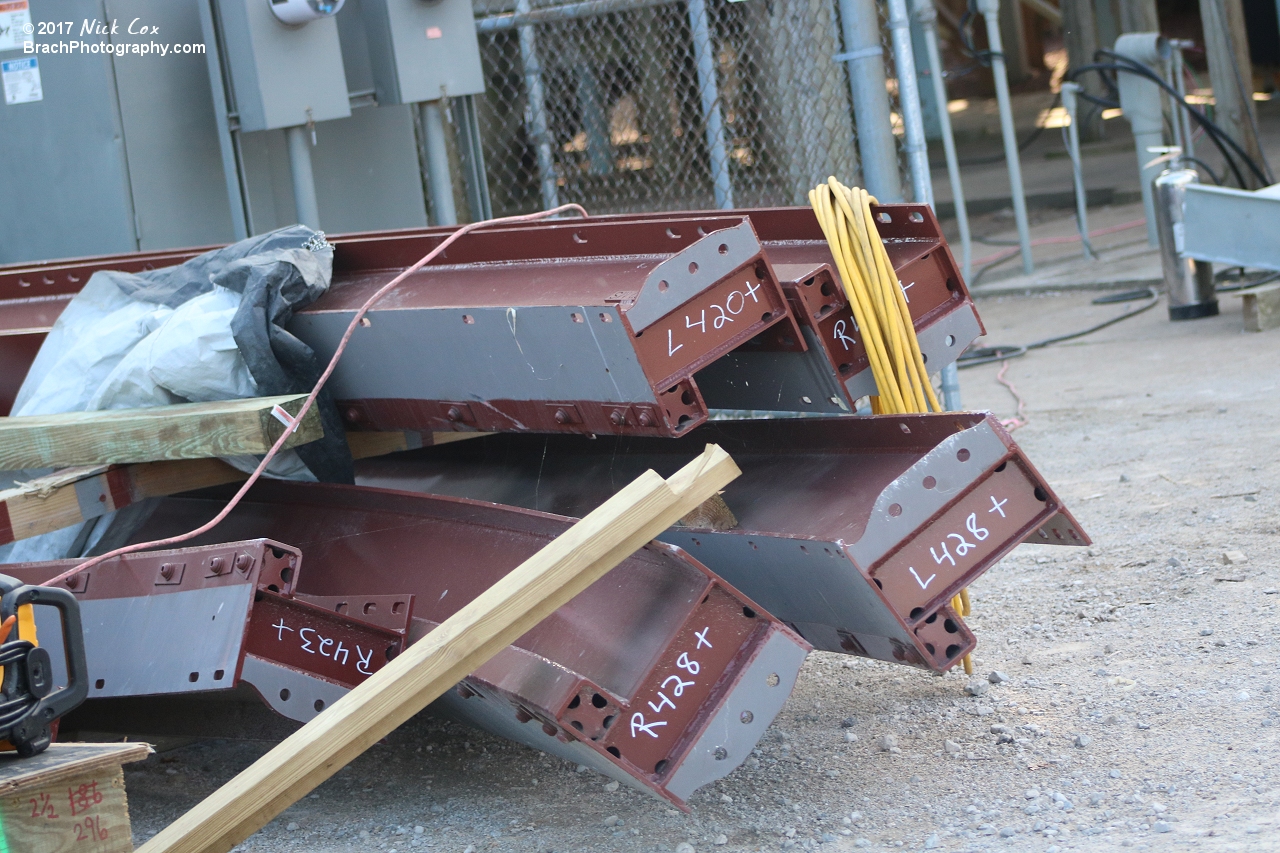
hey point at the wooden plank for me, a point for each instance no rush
(84, 814)
(75, 495)
(1226, 47)
(63, 761)
(184, 431)
(1261, 308)
(434, 664)
(68, 798)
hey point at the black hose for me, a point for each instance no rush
(986, 355)
(1216, 133)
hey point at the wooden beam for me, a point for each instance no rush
(1226, 46)
(421, 673)
(1046, 10)
(184, 431)
(1261, 307)
(75, 495)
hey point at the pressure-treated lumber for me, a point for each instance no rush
(75, 495)
(70, 797)
(500, 615)
(183, 431)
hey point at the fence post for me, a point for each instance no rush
(713, 119)
(537, 109)
(864, 57)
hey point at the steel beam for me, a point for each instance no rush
(856, 532)
(660, 674)
(420, 359)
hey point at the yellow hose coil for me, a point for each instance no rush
(880, 311)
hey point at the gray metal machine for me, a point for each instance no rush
(115, 152)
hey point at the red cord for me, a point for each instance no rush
(1047, 241)
(311, 398)
(1019, 420)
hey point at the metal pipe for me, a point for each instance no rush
(439, 176)
(566, 12)
(704, 56)
(1070, 91)
(904, 61)
(917, 148)
(990, 10)
(304, 185)
(537, 109)
(864, 58)
(227, 147)
(927, 15)
(1182, 121)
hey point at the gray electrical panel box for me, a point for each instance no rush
(282, 76)
(423, 50)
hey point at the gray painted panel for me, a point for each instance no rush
(269, 180)
(151, 644)
(536, 353)
(366, 171)
(171, 137)
(797, 580)
(67, 190)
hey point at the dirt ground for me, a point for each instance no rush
(1140, 708)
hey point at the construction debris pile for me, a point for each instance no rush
(574, 355)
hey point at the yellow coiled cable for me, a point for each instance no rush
(880, 311)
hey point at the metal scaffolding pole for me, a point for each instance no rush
(927, 15)
(990, 10)
(917, 149)
(708, 89)
(536, 115)
(863, 56)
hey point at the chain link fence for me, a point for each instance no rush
(662, 105)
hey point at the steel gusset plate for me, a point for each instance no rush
(659, 674)
(167, 622)
(856, 532)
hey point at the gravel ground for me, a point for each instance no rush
(1131, 696)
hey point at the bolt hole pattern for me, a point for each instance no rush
(693, 267)
(577, 318)
(99, 684)
(285, 694)
(895, 510)
(575, 702)
(950, 340)
(605, 318)
(218, 673)
(673, 234)
(884, 217)
(193, 677)
(748, 612)
(773, 680)
(721, 753)
(578, 238)
(662, 286)
(916, 216)
(318, 705)
(746, 716)
(929, 482)
(598, 701)
(1041, 494)
(723, 249)
(906, 430)
(468, 319)
(963, 454)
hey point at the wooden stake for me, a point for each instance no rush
(500, 615)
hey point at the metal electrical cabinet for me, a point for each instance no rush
(283, 76)
(122, 153)
(423, 50)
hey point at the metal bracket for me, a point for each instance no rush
(680, 278)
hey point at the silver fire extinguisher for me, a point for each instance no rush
(1188, 282)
